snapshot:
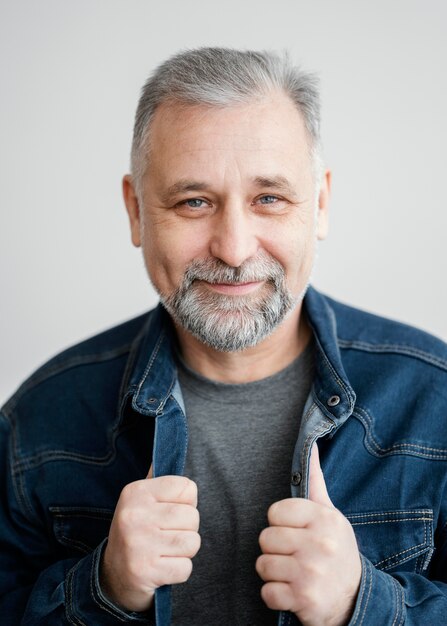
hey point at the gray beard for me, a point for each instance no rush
(231, 323)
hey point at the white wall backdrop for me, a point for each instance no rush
(70, 78)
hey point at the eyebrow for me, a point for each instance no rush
(278, 183)
(183, 186)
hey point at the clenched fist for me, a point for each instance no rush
(152, 539)
(310, 562)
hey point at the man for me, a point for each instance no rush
(222, 400)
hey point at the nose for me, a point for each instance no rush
(234, 239)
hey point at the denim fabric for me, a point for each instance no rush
(93, 418)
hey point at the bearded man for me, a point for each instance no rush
(193, 434)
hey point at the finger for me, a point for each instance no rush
(150, 474)
(317, 485)
(278, 596)
(172, 570)
(281, 540)
(174, 489)
(276, 568)
(168, 516)
(292, 512)
(184, 543)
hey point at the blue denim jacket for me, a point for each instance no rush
(92, 419)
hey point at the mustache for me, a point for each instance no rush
(212, 270)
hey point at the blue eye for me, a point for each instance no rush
(194, 203)
(268, 199)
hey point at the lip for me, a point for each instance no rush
(233, 289)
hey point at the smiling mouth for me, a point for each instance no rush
(233, 289)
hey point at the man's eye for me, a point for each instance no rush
(194, 203)
(268, 199)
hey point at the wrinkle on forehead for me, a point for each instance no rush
(241, 130)
(259, 140)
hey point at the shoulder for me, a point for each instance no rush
(80, 374)
(364, 332)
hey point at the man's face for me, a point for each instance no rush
(229, 216)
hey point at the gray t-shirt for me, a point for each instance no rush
(240, 445)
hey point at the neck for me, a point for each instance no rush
(268, 357)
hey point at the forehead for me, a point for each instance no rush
(271, 128)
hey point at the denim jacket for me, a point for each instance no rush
(94, 418)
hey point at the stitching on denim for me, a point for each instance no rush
(17, 488)
(18, 478)
(48, 371)
(59, 527)
(401, 592)
(396, 348)
(370, 581)
(406, 558)
(396, 600)
(320, 429)
(36, 460)
(410, 553)
(396, 556)
(67, 541)
(70, 578)
(334, 372)
(429, 555)
(361, 592)
(70, 512)
(130, 364)
(391, 521)
(151, 361)
(94, 592)
(400, 448)
(428, 512)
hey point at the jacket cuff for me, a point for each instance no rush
(380, 600)
(85, 601)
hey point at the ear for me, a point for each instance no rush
(323, 206)
(133, 209)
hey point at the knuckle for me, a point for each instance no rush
(179, 571)
(262, 565)
(133, 489)
(196, 542)
(309, 598)
(269, 595)
(190, 517)
(195, 519)
(128, 518)
(185, 570)
(185, 543)
(264, 538)
(328, 545)
(273, 512)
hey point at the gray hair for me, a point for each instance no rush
(221, 77)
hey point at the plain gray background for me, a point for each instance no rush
(70, 79)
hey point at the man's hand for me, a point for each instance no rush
(152, 540)
(310, 562)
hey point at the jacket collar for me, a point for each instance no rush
(332, 390)
(152, 372)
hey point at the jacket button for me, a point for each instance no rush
(333, 401)
(296, 478)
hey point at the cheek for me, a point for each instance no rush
(296, 252)
(167, 252)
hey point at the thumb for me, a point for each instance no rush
(317, 485)
(150, 473)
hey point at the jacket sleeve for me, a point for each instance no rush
(35, 590)
(399, 599)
